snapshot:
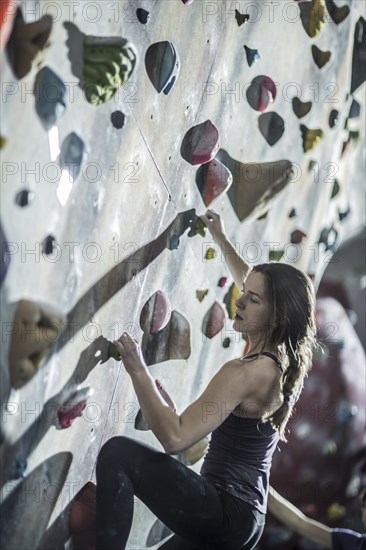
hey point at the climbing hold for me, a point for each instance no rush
(24, 197)
(226, 342)
(174, 242)
(275, 255)
(337, 13)
(261, 92)
(193, 454)
(25, 41)
(83, 513)
(156, 313)
(200, 144)
(198, 228)
(252, 56)
(49, 245)
(310, 138)
(272, 127)
(213, 180)
(72, 408)
(321, 58)
(50, 95)
(108, 64)
(241, 18)
(300, 108)
(172, 342)
(256, 185)
(358, 56)
(222, 282)
(230, 299)
(329, 447)
(355, 109)
(312, 15)
(118, 119)
(5, 255)
(336, 188)
(113, 352)
(263, 216)
(214, 320)
(35, 329)
(200, 294)
(140, 422)
(329, 237)
(297, 236)
(343, 215)
(162, 66)
(142, 15)
(210, 254)
(20, 468)
(3, 142)
(346, 412)
(158, 531)
(292, 213)
(7, 15)
(333, 118)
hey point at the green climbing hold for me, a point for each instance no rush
(275, 255)
(108, 64)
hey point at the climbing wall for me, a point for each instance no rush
(121, 122)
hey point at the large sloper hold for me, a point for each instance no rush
(162, 66)
(50, 97)
(312, 15)
(156, 313)
(35, 329)
(261, 92)
(255, 185)
(201, 143)
(172, 342)
(214, 320)
(108, 64)
(359, 55)
(213, 180)
(25, 41)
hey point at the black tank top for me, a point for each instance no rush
(240, 454)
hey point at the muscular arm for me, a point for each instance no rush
(238, 267)
(293, 518)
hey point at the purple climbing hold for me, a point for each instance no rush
(142, 15)
(272, 127)
(222, 282)
(261, 92)
(50, 94)
(252, 56)
(214, 320)
(187, 2)
(213, 179)
(200, 144)
(162, 66)
(156, 313)
(118, 119)
(297, 236)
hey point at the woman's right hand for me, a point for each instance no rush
(215, 225)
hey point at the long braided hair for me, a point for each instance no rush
(291, 329)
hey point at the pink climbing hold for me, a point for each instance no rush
(156, 313)
(213, 180)
(214, 320)
(261, 92)
(200, 144)
(187, 2)
(297, 236)
(72, 408)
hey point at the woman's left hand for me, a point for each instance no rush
(131, 354)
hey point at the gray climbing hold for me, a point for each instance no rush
(50, 94)
(321, 58)
(118, 119)
(272, 127)
(162, 66)
(333, 118)
(5, 255)
(142, 15)
(48, 245)
(355, 109)
(358, 57)
(252, 56)
(72, 154)
(301, 108)
(24, 197)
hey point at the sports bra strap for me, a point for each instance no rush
(268, 354)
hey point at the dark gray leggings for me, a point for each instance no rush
(202, 515)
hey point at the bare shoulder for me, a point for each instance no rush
(262, 366)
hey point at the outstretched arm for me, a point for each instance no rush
(293, 518)
(239, 268)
